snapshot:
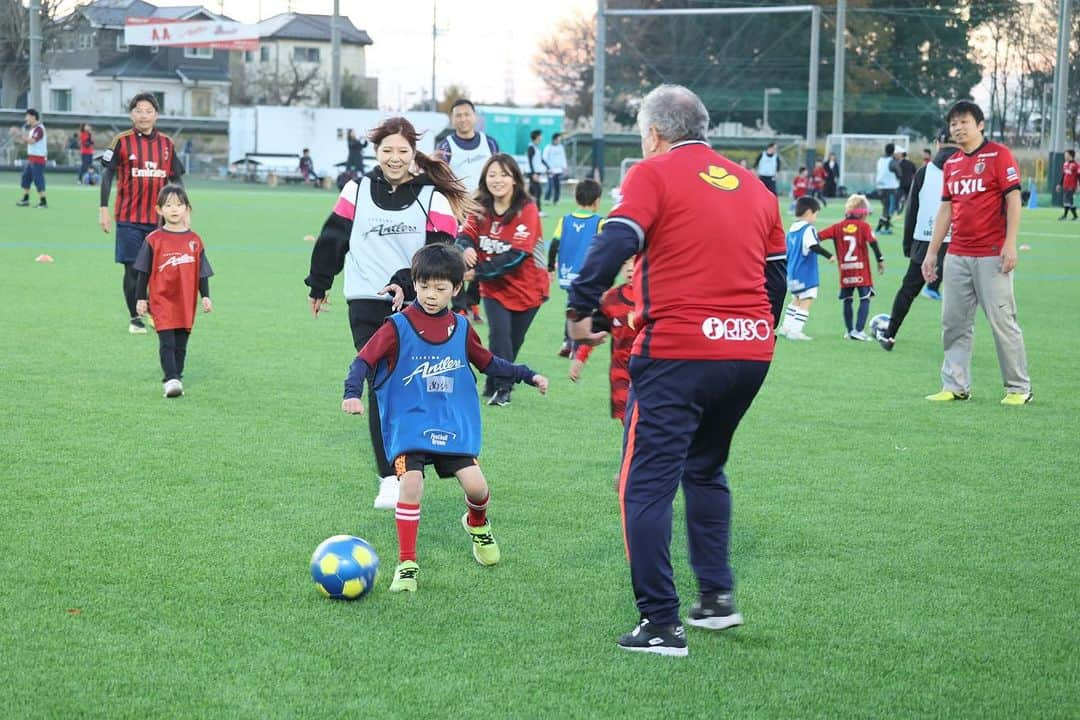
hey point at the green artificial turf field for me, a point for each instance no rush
(895, 559)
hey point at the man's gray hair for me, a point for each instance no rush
(676, 113)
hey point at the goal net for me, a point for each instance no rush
(858, 156)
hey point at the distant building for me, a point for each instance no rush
(92, 71)
(292, 64)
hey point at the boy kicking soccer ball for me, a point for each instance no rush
(430, 411)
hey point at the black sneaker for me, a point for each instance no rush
(501, 398)
(42, 205)
(23, 203)
(885, 342)
(646, 637)
(715, 611)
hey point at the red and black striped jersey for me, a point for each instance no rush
(143, 165)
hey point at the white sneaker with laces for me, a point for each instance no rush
(859, 335)
(798, 335)
(173, 388)
(388, 493)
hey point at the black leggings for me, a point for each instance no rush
(131, 276)
(912, 284)
(365, 317)
(506, 334)
(172, 346)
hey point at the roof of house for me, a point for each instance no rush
(112, 13)
(301, 26)
(147, 67)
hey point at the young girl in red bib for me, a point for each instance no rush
(173, 272)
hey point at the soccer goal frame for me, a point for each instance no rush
(852, 153)
(602, 13)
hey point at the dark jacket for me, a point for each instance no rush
(911, 212)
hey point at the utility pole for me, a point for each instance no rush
(335, 56)
(812, 91)
(838, 69)
(1061, 94)
(434, 37)
(34, 100)
(598, 92)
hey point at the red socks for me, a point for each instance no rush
(477, 511)
(408, 523)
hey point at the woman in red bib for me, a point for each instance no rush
(173, 272)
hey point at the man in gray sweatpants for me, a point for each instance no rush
(981, 201)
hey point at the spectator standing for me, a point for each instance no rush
(86, 151)
(887, 182)
(37, 153)
(832, 176)
(535, 159)
(767, 165)
(555, 162)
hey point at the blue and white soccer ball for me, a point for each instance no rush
(879, 325)
(344, 567)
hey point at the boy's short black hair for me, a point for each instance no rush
(439, 261)
(1070, 152)
(965, 107)
(806, 204)
(802, 168)
(35, 113)
(535, 134)
(173, 189)
(587, 192)
(148, 97)
(890, 148)
(462, 101)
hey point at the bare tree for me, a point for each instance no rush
(15, 44)
(294, 85)
(564, 63)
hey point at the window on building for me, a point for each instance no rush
(199, 52)
(160, 97)
(306, 54)
(60, 100)
(200, 103)
(121, 46)
(86, 41)
(249, 56)
(264, 54)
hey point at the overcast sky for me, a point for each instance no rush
(482, 44)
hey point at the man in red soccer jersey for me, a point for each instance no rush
(710, 283)
(1070, 170)
(143, 160)
(981, 202)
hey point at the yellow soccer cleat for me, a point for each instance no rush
(484, 547)
(1017, 398)
(947, 396)
(405, 577)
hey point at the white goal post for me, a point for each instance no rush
(857, 155)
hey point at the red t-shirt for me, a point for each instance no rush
(852, 237)
(1069, 175)
(709, 226)
(976, 184)
(143, 164)
(527, 285)
(176, 264)
(617, 304)
(799, 186)
(86, 143)
(819, 178)
(383, 345)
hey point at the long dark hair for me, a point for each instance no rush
(438, 170)
(518, 200)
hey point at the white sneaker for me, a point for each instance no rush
(388, 493)
(173, 388)
(859, 335)
(798, 335)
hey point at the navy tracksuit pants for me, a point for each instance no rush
(680, 419)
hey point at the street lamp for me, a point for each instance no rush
(765, 113)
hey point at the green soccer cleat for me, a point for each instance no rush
(1017, 398)
(405, 577)
(947, 396)
(484, 547)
